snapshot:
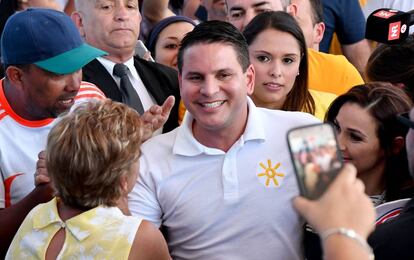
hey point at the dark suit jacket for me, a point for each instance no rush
(159, 80)
(394, 239)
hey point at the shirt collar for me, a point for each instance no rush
(186, 144)
(80, 226)
(109, 66)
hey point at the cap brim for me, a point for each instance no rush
(71, 61)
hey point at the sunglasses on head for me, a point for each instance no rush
(404, 118)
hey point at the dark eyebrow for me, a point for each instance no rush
(260, 3)
(238, 8)
(192, 73)
(172, 38)
(352, 130)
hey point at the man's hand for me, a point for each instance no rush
(41, 176)
(156, 116)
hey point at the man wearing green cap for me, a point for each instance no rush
(43, 55)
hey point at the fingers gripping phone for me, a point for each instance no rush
(142, 51)
(315, 156)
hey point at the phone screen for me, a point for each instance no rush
(315, 156)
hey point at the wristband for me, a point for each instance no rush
(350, 233)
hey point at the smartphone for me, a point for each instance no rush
(141, 50)
(316, 157)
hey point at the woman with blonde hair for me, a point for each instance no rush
(92, 160)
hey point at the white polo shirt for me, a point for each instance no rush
(224, 205)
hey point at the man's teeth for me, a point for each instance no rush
(213, 104)
(66, 101)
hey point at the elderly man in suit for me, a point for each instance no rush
(113, 26)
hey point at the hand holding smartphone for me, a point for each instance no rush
(142, 51)
(316, 158)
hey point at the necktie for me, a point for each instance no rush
(129, 95)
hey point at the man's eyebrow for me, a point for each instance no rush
(239, 8)
(260, 3)
(192, 73)
(236, 8)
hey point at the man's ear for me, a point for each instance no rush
(319, 30)
(397, 145)
(14, 75)
(77, 18)
(250, 79)
(292, 9)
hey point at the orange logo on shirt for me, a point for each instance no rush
(7, 188)
(270, 173)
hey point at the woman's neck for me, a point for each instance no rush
(374, 180)
(269, 105)
(66, 212)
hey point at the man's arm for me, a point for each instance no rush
(12, 217)
(358, 54)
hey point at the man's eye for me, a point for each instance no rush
(263, 58)
(194, 78)
(106, 7)
(223, 76)
(236, 15)
(132, 6)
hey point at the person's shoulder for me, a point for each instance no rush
(325, 97)
(37, 215)
(327, 57)
(89, 90)
(322, 101)
(3, 102)
(160, 142)
(158, 75)
(3, 111)
(155, 67)
(149, 243)
(336, 65)
(287, 118)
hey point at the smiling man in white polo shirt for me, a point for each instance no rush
(221, 184)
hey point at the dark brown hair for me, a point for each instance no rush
(384, 102)
(393, 63)
(299, 98)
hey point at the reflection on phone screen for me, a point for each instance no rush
(316, 158)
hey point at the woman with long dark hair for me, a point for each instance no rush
(371, 138)
(279, 55)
